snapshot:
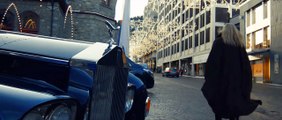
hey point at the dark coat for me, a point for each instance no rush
(228, 82)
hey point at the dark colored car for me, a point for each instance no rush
(141, 104)
(170, 72)
(50, 78)
(146, 75)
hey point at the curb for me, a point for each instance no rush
(199, 77)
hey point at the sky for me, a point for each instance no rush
(136, 8)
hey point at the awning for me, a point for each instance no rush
(252, 58)
(200, 59)
(259, 51)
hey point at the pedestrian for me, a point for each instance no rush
(181, 71)
(228, 76)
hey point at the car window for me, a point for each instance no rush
(52, 73)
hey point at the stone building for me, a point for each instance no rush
(260, 23)
(84, 20)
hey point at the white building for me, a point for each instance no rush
(261, 21)
(192, 25)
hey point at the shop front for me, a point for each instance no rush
(199, 64)
(186, 66)
(260, 63)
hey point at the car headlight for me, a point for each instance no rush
(62, 112)
(52, 111)
(129, 97)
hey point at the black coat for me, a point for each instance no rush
(228, 82)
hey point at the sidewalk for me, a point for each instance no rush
(202, 77)
(199, 77)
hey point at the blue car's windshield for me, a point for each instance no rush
(133, 64)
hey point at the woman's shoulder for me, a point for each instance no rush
(218, 40)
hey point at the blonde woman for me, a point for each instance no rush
(228, 76)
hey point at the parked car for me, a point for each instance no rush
(51, 78)
(142, 102)
(170, 72)
(145, 65)
(146, 75)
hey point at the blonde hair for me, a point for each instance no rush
(231, 35)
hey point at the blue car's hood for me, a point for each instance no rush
(15, 102)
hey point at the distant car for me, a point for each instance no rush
(146, 75)
(46, 78)
(170, 72)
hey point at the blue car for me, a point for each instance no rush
(45, 78)
(141, 105)
(145, 74)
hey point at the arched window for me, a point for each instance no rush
(30, 22)
(7, 22)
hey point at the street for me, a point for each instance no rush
(181, 99)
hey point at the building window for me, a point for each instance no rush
(208, 17)
(248, 18)
(265, 9)
(196, 11)
(196, 40)
(187, 15)
(178, 46)
(202, 38)
(172, 49)
(196, 24)
(202, 20)
(253, 40)
(183, 18)
(30, 22)
(253, 16)
(175, 49)
(266, 38)
(207, 35)
(186, 44)
(9, 19)
(259, 39)
(235, 12)
(190, 42)
(182, 45)
(106, 2)
(191, 13)
(248, 42)
(221, 15)
(168, 50)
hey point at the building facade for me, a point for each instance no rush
(84, 20)
(261, 27)
(192, 27)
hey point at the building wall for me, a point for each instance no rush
(195, 45)
(276, 44)
(273, 23)
(91, 27)
(87, 27)
(43, 10)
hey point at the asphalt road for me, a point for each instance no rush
(181, 99)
